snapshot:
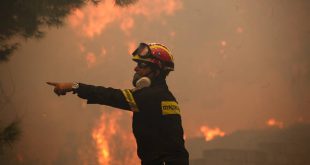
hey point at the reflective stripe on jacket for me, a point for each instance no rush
(157, 124)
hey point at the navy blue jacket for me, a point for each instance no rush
(157, 124)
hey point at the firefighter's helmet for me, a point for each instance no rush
(154, 53)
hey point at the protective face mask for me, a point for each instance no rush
(135, 78)
(143, 82)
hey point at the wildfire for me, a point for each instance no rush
(274, 123)
(94, 19)
(211, 133)
(91, 59)
(114, 145)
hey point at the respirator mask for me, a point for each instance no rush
(141, 82)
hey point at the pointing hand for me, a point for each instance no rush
(61, 88)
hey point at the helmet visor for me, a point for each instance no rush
(143, 51)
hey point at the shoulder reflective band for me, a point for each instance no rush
(170, 108)
(131, 101)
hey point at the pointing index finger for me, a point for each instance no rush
(51, 83)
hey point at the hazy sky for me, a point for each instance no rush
(238, 63)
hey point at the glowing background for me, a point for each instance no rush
(239, 65)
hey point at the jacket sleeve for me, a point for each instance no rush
(102, 95)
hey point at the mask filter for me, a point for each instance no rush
(142, 83)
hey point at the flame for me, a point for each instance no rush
(94, 19)
(126, 25)
(223, 43)
(274, 123)
(103, 52)
(91, 59)
(211, 133)
(77, 19)
(114, 145)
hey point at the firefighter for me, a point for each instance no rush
(157, 124)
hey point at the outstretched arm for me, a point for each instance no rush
(94, 94)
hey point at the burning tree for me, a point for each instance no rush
(25, 19)
(115, 146)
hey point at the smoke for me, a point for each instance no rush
(238, 64)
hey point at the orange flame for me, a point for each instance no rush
(223, 43)
(211, 133)
(126, 25)
(114, 145)
(274, 123)
(94, 19)
(103, 52)
(91, 59)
